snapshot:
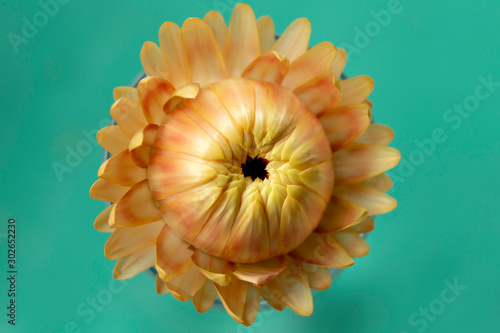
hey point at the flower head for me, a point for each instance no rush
(242, 167)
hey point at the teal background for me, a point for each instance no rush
(429, 57)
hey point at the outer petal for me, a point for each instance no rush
(271, 298)
(125, 241)
(359, 161)
(377, 202)
(152, 60)
(187, 284)
(161, 287)
(134, 263)
(366, 225)
(295, 39)
(345, 124)
(377, 134)
(381, 182)
(107, 191)
(339, 63)
(270, 66)
(340, 214)
(265, 25)
(171, 49)
(154, 92)
(205, 297)
(314, 62)
(321, 93)
(352, 242)
(126, 91)
(241, 300)
(101, 222)
(216, 269)
(120, 169)
(356, 89)
(128, 115)
(202, 56)
(242, 42)
(173, 256)
(260, 273)
(135, 208)
(141, 144)
(216, 22)
(112, 139)
(319, 278)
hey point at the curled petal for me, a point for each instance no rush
(205, 297)
(186, 285)
(216, 269)
(107, 191)
(173, 256)
(295, 39)
(161, 286)
(260, 273)
(135, 263)
(356, 89)
(120, 92)
(321, 93)
(377, 202)
(241, 300)
(154, 92)
(188, 91)
(140, 145)
(112, 139)
(340, 214)
(152, 60)
(270, 66)
(265, 25)
(377, 134)
(125, 241)
(120, 169)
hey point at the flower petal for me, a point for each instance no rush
(205, 297)
(127, 113)
(126, 91)
(216, 269)
(345, 124)
(260, 273)
(216, 22)
(377, 134)
(135, 208)
(314, 62)
(120, 169)
(321, 93)
(188, 91)
(241, 300)
(112, 139)
(265, 25)
(339, 62)
(271, 299)
(356, 89)
(202, 56)
(125, 241)
(107, 191)
(360, 161)
(173, 256)
(154, 92)
(340, 214)
(270, 66)
(135, 263)
(171, 49)
(318, 277)
(377, 202)
(140, 145)
(366, 225)
(242, 42)
(381, 182)
(187, 284)
(161, 286)
(322, 250)
(101, 222)
(295, 39)
(152, 60)
(352, 242)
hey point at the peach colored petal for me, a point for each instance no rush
(381, 182)
(352, 242)
(216, 269)
(377, 202)
(339, 62)
(120, 169)
(313, 63)
(340, 214)
(125, 241)
(321, 93)
(205, 297)
(271, 299)
(128, 115)
(140, 145)
(356, 89)
(126, 91)
(366, 225)
(161, 286)
(318, 277)
(242, 42)
(216, 22)
(241, 300)
(173, 256)
(152, 60)
(265, 25)
(135, 208)
(107, 191)
(112, 139)
(135, 263)
(260, 273)
(295, 39)
(154, 92)
(187, 284)
(171, 49)
(377, 134)
(270, 66)
(101, 222)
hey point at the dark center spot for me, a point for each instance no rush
(255, 168)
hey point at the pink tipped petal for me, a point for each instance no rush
(152, 60)
(216, 269)
(171, 49)
(340, 214)
(356, 89)
(154, 92)
(241, 300)
(345, 124)
(242, 42)
(125, 241)
(173, 256)
(315, 62)
(260, 273)
(112, 139)
(265, 25)
(161, 286)
(205, 297)
(107, 191)
(120, 92)
(187, 284)
(292, 289)
(377, 134)
(141, 144)
(216, 22)
(202, 56)
(322, 250)
(381, 182)
(352, 242)
(319, 277)
(321, 93)
(270, 66)
(295, 39)
(339, 62)
(377, 202)
(120, 169)
(135, 208)
(366, 225)
(101, 222)
(128, 115)
(135, 263)
(360, 161)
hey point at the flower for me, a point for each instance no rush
(242, 167)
